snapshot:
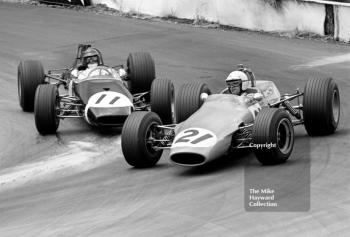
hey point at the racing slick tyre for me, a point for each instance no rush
(189, 99)
(30, 74)
(46, 109)
(162, 100)
(141, 71)
(137, 130)
(273, 136)
(321, 106)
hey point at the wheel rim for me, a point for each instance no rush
(172, 106)
(150, 133)
(128, 67)
(284, 136)
(336, 106)
(19, 89)
(57, 110)
(19, 86)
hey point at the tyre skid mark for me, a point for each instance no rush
(82, 156)
(324, 61)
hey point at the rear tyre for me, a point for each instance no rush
(137, 130)
(30, 74)
(141, 72)
(46, 109)
(189, 100)
(273, 131)
(162, 100)
(321, 106)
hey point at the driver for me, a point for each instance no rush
(90, 60)
(237, 82)
(241, 82)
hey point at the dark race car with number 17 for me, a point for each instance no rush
(104, 96)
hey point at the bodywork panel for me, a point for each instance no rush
(220, 116)
(108, 108)
(86, 88)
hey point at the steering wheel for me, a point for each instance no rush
(100, 69)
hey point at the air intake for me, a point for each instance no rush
(188, 159)
(111, 120)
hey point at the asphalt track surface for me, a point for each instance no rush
(77, 183)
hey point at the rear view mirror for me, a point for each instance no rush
(204, 96)
(258, 96)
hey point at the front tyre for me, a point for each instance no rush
(189, 100)
(273, 136)
(30, 74)
(46, 109)
(138, 131)
(162, 100)
(141, 71)
(321, 106)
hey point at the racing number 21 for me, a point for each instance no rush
(191, 137)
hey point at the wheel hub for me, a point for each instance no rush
(284, 136)
(336, 106)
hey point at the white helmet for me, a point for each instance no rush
(239, 75)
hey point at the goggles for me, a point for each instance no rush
(234, 83)
(92, 59)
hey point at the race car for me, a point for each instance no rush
(102, 95)
(211, 125)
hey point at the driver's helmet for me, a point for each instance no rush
(248, 72)
(237, 82)
(90, 57)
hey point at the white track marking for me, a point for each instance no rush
(81, 156)
(325, 61)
